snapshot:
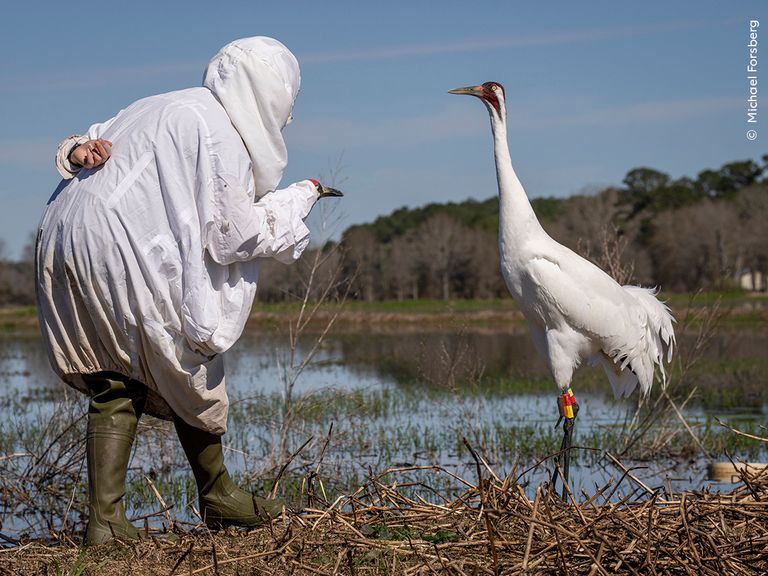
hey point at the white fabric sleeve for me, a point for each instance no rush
(63, 165)
(272, 227)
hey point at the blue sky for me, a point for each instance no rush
(594, 89)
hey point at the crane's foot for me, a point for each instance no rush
(568, 408)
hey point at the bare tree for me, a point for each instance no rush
(400, 266)
(362, 253)
(752, 207)
(697, 246)
(437, 243)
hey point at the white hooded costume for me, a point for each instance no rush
(148, 264)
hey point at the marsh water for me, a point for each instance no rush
(409, 399)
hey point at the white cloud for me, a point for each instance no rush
(463, 45)
(97, 77)
(642, 112)
(456, 122)
(449, 121)
(130, 74)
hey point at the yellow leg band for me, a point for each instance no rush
(565, 404)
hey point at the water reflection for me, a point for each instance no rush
(259, 361)
(410, 398)
(730, 361)
(428, 369)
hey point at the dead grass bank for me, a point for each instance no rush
(492, 528)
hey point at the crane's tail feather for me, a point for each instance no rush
(636, 360)
(622, 381)
(659, 338)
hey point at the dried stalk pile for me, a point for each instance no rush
(492, 528)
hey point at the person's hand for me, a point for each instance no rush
(92, 153)
(325, 191)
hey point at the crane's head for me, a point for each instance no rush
(491, 93)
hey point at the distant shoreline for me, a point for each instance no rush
(737, 311)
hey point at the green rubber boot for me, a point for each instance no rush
(222, 502)
(116, 406)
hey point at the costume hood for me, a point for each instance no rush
(256, 80)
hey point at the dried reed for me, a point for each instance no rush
(491, 528)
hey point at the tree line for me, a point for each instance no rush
(681, 234)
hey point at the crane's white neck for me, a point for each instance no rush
(517, 220)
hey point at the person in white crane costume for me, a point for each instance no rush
(147, 266)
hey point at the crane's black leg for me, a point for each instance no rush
(568, 410)
(567, 435)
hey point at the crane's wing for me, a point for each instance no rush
(579, 294)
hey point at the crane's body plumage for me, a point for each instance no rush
(576, 312)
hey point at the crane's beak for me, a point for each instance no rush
(327, 191)
(471, 90)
